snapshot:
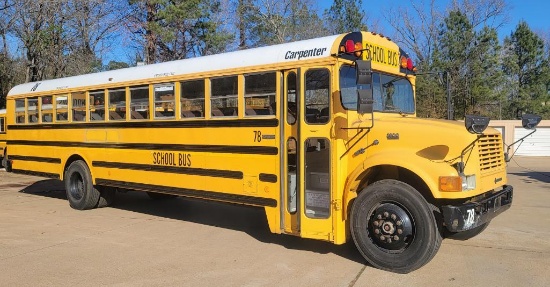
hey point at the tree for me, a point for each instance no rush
(345, 16)
(271, 22)
(178, 29)
(527, 66)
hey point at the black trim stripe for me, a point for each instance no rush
(233, 198)
(262, 150)
(35, 173)
(266, 177)
(35, 158)
(171, 169)
(239, 123)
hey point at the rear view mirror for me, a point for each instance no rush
(364, 72)
(365, 101)
(476, 124)
(529, 121)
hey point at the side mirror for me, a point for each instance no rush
(364, 72)
(476, 124)
(529, 121)
(365, 101)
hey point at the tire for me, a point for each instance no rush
(5, 163)
(81, 192)
(158, 196)
(465, 235)
(394, 227)
(107, 196)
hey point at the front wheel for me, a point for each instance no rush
(393, 227)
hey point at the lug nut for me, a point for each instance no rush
(395, 237)
(393, 216)
(399, 231)
(379, 216)
(386, 214)
(399, 223)
(376, 223)
(382, 238)
(377, 231)
(389, 240)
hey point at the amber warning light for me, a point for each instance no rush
(352, 47)
(407, 63)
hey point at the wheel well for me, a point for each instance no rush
(70, 160)
(381, 172)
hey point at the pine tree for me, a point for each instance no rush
(345, 16)
(527, 66)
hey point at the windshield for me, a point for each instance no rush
(390, 93)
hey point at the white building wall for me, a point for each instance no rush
(537, 144)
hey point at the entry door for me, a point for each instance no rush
(307, 126)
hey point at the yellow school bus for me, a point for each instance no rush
(2, 135)
(321, 133)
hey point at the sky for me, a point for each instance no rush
(534, 12)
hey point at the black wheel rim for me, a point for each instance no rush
(76, 186)
(391, 227)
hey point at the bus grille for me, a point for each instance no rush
(491, 153)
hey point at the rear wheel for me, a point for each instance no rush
(393, 227)
(107, 196)
(5, 162)
(81, 192)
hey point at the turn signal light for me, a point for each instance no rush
(450, 183)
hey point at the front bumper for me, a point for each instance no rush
(473, 214)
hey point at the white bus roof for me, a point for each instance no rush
(300, 50)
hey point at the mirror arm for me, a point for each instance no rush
(514, 143)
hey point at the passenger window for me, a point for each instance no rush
(47, 109)
(61, 108)
(139, 103)
(292, 108)
(317, 172)
(97, 106)
(117, 105)
(224, 98)
(259, 94)
(317, 96)
(32, 110)
(292, 171)
(20, 111)
(192, 99)
(164, 101)
(2, 125)
(79, 106)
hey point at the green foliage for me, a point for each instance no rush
(527, 66)
(280, 21)
(471, 60)
(345, 16)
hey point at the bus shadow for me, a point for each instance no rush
(247, 219)
(533, 176)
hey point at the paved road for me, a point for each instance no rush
(182, 242)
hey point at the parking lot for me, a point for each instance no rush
(183, 242)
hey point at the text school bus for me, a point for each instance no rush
(321, 133)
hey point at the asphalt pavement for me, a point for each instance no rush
(184, 242)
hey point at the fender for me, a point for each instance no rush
(429, 171)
